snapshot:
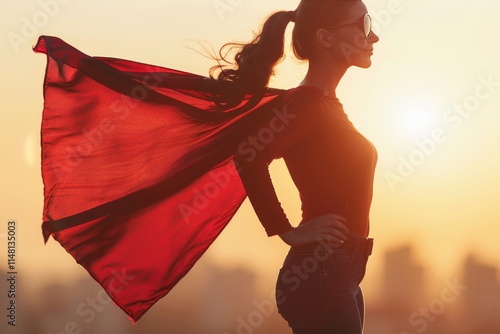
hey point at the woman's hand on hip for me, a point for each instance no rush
(328, 227)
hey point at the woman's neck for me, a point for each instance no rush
(325, 75)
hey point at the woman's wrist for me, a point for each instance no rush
(288, 237)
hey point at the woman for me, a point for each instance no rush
(140, 172)
(331, 163)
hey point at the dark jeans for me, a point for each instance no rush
(318, 291)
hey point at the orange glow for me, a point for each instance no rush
(435, 207)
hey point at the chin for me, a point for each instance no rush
(363, 63)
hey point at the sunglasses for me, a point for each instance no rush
(366, 20)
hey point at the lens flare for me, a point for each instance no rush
(30, 150)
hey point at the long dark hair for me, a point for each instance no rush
(254, 63)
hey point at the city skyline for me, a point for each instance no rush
(215, 300)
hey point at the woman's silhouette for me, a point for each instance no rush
(330, 162)
(143, 166)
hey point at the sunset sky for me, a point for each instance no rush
(430, 104)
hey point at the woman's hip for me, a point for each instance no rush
(317, 276)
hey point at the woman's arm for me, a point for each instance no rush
(328, 228)
(289, 126)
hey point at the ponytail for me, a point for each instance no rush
(254, 63)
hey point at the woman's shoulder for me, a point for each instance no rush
(302, 94)
(307, 97)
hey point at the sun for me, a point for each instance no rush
(417, 117)
(417, 121)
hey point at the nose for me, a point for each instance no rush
(373, 38)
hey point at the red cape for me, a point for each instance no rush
(137, 168)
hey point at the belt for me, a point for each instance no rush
(353, 242)
(358, 244)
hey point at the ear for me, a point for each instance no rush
(325, 38)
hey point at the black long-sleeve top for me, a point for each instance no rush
(330, 162)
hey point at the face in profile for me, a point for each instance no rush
(351, 41)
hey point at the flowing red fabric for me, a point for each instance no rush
(137, 168)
